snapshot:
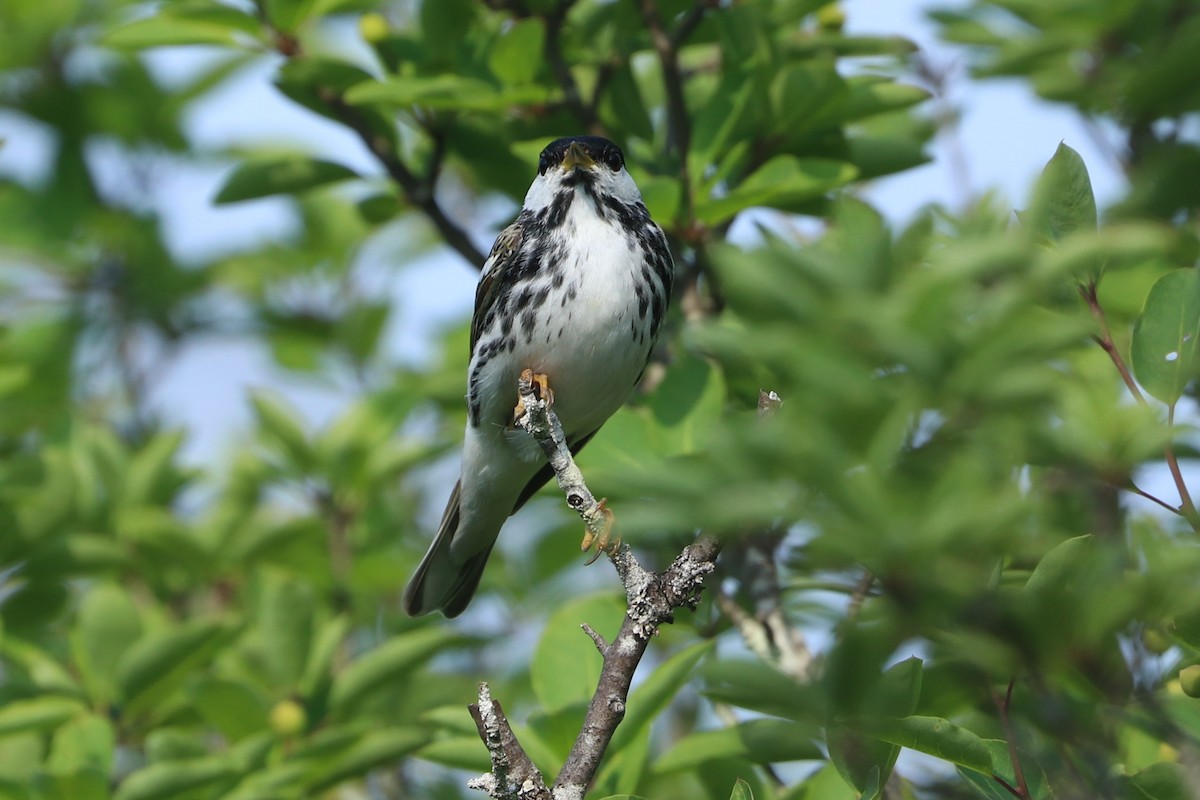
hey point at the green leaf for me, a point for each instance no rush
(659, 688)
(232, 707)
(516, 55)
(1063, 201)
(319, 664)
(1162, 781)
(87, 740)
(163, 30)
(285, 622)
(1001, 765)
(159, 663)
(782, 182)
(173, 779)
(1166, 335)
(444, 92)
(688, 406)
(373, 750)
(933, 736)
(741, 791)
(1058, 568)
(862, 758)
(106, 627)
(459, 752)
(762, 741)
(281, 425)
(38, 714)
(266, 176)
(385, 666)
(760, 687)
(566, 664)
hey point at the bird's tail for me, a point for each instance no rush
(441, 582)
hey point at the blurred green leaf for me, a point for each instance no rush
(516, 55)
(565, 663)
(106, 627)
(782, 182)
(385, 665)
(1063, 201)
(176, 779)
(158, 663)
(934, 736)
(266, 176)
(762, 741)
(1165, 337)
(43, 713)
(741, 791)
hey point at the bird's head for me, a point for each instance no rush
(588, 163)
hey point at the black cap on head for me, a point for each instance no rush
(600, 150)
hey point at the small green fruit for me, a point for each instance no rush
(373, 27)
(1189, 680)
(288, 719)
(1155, 641)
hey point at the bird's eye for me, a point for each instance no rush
(543, 164)
(612, 159)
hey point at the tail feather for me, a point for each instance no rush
(440, 582)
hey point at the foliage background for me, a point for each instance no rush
(950, 423)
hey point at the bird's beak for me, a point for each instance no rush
(577, 156)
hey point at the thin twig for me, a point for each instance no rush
(419, 192)
(1088, 291)
(1003, 704)
(679, 124)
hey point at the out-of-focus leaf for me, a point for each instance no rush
(762, 741)
(1162, 781)
(175, 779)
(37, 714)
(1057, 568)
(863, 759)
(267, 176)
(373, 750)
(933, 736)
(516, 55)
(782, 182)
(282, 425)
(385, 665)
(1166, 336)
(85, 741)
(445, 92)
(565, 664)
(1001, 765)
(232, 707)
(285, 622)
(166, 30)
(459, 752)
(107, 626)
(1063, 201)
(159, 663)
(648, 700)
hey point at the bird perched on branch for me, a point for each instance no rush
(575, 290)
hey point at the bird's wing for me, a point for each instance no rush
(499, 261)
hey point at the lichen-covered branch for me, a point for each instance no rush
(652, 599)
(513, 775)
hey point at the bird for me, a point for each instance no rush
(576, 290)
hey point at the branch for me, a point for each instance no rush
(1186, 507)
(542, 424)
(513, 775)
(419, 192)
(652, 599)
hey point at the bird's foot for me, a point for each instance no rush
(541, 388)
(599, 529)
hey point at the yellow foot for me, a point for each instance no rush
(541, 385)
(598, 532)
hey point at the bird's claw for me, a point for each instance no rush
(599, 529)
(541, 387)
